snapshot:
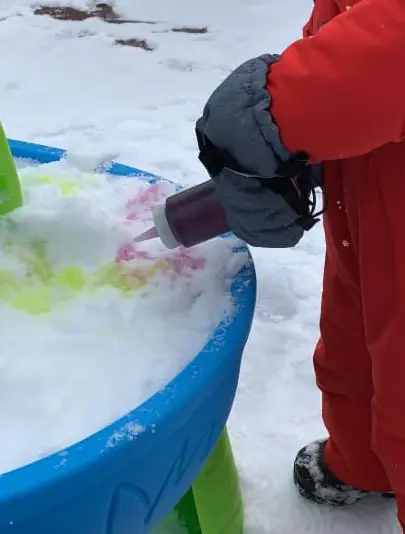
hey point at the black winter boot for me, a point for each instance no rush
(315, 482)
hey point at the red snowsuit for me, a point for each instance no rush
(339, 95)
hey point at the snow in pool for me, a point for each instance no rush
(93, 325)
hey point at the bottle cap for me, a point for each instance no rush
(163, 228)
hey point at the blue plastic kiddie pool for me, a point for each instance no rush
(120, 480)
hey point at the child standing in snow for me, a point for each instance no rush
(336, 96)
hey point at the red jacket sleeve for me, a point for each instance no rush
(341, 93)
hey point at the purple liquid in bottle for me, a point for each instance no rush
(190, 217)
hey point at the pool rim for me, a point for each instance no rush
(44, 472)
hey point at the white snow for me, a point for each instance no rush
(67, 84)
(80, 349)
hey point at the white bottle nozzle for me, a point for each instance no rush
(151, 233)
(163, 228)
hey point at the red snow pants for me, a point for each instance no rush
(339, 96)
(360, 358)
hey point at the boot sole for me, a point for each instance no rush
(309, 496)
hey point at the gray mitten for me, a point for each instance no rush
(267, 192)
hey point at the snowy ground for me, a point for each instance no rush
(67, 84)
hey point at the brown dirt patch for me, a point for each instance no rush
(101, 11)
(187, 29)
(135, 43)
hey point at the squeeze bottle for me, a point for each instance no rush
(188, 218)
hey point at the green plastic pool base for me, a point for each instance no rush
(10, 189)
(213, 505)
